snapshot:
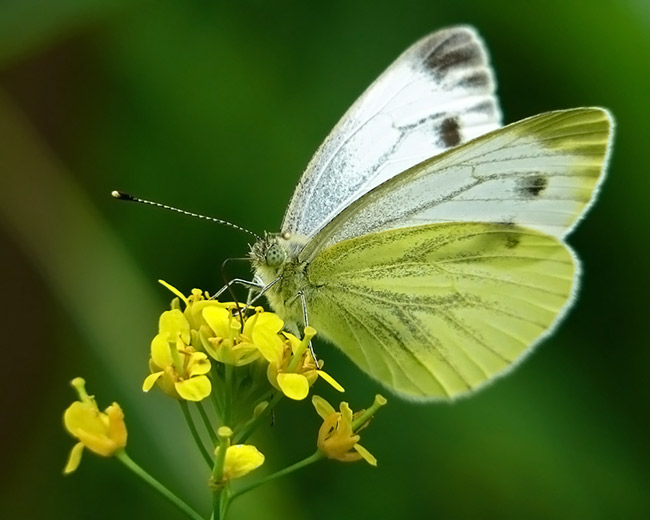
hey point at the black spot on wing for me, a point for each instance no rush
(512, 240)
(511, 236)
(449, 132)
(532, 186)
(457, 51)
(476, 81)
(487, 107)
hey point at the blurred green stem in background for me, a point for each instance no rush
(51, 219)
(128, 462)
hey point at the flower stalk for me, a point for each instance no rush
(195, 433)
(152, 482)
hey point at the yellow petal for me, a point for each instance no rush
(160, 351)
(263, 324)
(218, 319)
(294, 386)
(367, 456)
(84, 416)
(350, 456)
(175, 324)
(346, 413)
(116, 425)
(194, 312)
(174, 290)
(240, 460)
(330, 380)
(194, 389)
(205, 334)
(150, 380)
(166, 383)
(270, 346)
(74, 459)
(199, 364)
(245, 353)
(99, 444)
(272, 374)
(323, 408)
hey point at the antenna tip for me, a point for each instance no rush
(121, 195)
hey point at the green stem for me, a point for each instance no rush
(217, 469)
(207, 423)
(251, 426)
(224, 501)
(195, 434)
(314, 457)
(216, 510)
(128, 462)
(214, 398)
(227, 408)
(220, 488)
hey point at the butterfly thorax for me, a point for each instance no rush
(275, 257)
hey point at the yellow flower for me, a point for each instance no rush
(241, 459)
(227, 335)
(103, 433)
(292, 369)
(217, 328)
(338, 436)
(227, 341)
(194, 304)
(176, 366)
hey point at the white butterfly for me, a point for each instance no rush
(426, 241)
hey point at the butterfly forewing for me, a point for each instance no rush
(436, 95)
(542, 173)
(435, 311)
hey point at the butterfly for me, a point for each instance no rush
(427, 241)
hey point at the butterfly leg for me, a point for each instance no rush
(306, 321)
(262, 290)
(254, 286)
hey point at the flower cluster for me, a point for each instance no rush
(239, 359)
(211, 331)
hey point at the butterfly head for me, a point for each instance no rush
(269, 254)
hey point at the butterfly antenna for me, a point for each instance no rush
(120, 195)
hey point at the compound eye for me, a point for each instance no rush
(275, 255)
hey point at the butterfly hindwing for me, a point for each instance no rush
(435, 311)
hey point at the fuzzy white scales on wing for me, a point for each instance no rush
(436, 95)
(542, 173)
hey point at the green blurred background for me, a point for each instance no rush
(217, 109)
